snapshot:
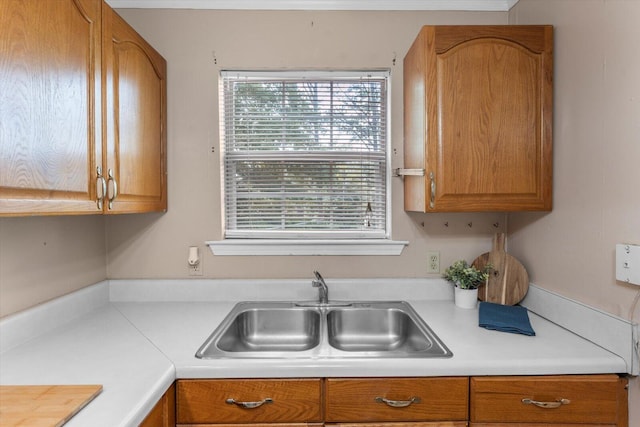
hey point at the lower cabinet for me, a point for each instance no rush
(523, 401)
(164, 413)
(564, 400)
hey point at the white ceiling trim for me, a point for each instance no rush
(460, 5)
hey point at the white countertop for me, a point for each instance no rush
(136, 349)
(98, 348)
(179, 329)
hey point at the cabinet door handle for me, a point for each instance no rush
(249, 405)
(398, 403)
(546, 405)
(432, 199)
(114, 185)
(101, 187)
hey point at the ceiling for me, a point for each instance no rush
(460, 5)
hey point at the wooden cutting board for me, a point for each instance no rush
(508, 281)
(43, 405)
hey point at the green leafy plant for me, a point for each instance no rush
(465, 276)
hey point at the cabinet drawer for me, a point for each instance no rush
(403, 424)
(265, 425)
(595, 399)
(360, 400)
(207, 401)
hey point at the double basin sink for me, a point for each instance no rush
(323, 330)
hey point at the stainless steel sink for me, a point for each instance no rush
(375, 329)
(271, 329)
(383, 329)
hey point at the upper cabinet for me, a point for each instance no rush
(50, 106)
(135, 112)
(82, 112)
(478, 119)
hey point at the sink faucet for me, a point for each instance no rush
(323, 289)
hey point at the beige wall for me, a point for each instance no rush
(156, 245)
(44, 258)
(596, 153)
(597, 156)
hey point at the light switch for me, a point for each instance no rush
(628, 263)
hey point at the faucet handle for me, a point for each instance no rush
(318, 275)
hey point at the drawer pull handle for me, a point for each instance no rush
(249, 405)
(546, 405)
(398, 403)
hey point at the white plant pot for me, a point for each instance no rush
(466, 298)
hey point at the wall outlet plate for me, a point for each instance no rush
(195, 270)
(628, 263)
(433, 262)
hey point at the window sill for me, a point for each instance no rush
(306, 247)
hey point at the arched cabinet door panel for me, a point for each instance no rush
(136, 121)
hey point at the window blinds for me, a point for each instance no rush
(304, 154)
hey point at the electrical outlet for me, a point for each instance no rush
(433, 262)
(195, 270)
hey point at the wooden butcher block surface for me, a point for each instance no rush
(43, 405)
(508, 281)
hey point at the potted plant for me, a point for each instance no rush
(466, 278)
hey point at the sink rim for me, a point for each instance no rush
(323, 350)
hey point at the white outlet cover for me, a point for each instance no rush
(628, 263)
(436, 265)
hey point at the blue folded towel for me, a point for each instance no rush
(505, 318)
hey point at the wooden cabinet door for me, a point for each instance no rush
(478, 114)
(50, 106)
(135, 120)
(163, 413)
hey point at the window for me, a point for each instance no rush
(305, 155)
